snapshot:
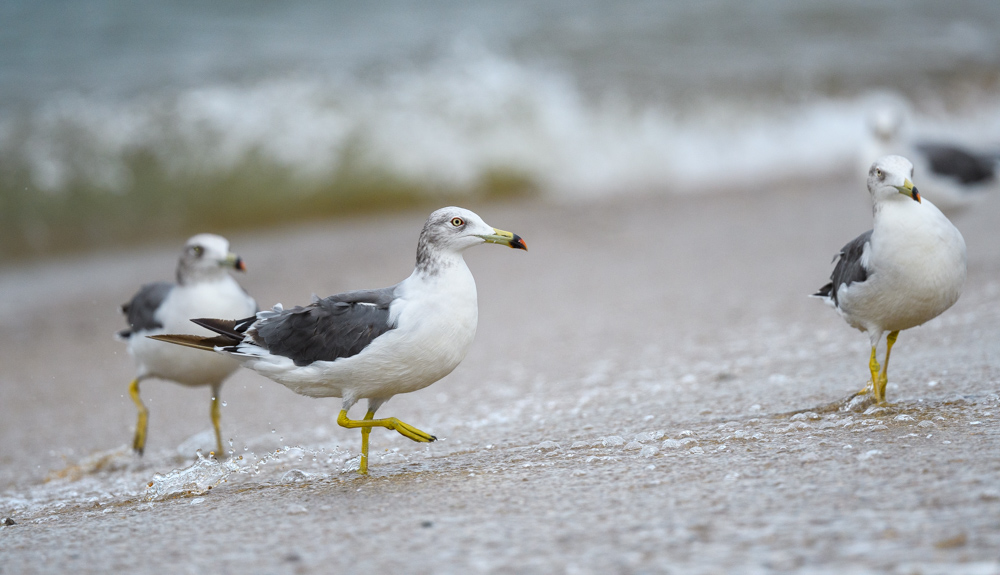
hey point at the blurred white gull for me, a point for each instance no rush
(951, 175)
(906, 270)
(203, 288)
(370, 344)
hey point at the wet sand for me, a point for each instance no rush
(647, 393)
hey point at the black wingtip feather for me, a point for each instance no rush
(231, 328)
(824, 291)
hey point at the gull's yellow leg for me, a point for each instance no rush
(365, 432)
(883, 378)
(873, 367)
(404, 429)
(139, 443)
(216, 419)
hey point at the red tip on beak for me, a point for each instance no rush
(518, 243)
(239, 265)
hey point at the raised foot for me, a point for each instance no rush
(413, 433)
(404, 429)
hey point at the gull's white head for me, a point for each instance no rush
(452, 230)
(889, 179)
(206, 256)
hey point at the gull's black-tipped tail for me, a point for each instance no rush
(824, 291)
(230, 334)
(230, 328)
(195, 341)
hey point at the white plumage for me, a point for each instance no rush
(221, 296)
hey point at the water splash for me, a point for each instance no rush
(207, 473)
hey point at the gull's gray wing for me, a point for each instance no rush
(141, 310)
(849, 268)
(330, 328)
(962, 165)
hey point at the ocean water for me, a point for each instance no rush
(119, 119)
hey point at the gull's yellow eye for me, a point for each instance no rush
(878, 173)
(457, 222)
(197, 250)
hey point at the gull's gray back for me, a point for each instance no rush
(330, 328)
(849, 268)
(141, 310)
(964, 166)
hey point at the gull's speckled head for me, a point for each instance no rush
(453, 230)
(890, 177)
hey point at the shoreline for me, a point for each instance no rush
(624, 408)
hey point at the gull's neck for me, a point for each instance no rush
(432, 262)
(893, 204)
(187, 276)
(443, 272)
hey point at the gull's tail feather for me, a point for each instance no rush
(195, 341)
(825, 291)
(230, 334)
(229, 328)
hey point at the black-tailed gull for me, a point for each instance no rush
(371, 344)
(905, 271)
(203, 288)
(953, 175)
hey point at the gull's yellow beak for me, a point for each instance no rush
(505, 238)
(907, 189)
(234, 261)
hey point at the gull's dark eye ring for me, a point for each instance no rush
(198, 251)
(457, 222)
(878, 173)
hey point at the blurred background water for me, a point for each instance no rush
(127, 118)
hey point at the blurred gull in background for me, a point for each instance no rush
(203, 288)
(953, 175)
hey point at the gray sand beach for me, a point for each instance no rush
(650, 391)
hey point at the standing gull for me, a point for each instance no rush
(203, 288)
(370, 344)
(906, 270)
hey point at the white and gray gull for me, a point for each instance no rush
(370, 344)
(908, 269)
(203, 288)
